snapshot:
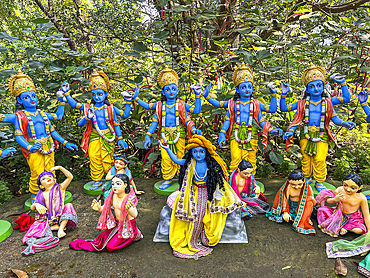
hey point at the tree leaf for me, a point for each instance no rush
(248, 58)
(40, 20)
(31, 51)
(365, 69)
(139, 144)
(180, 8)
(140, 46)
(44, 26)
(35, 64)
(276, 157)
(7, 37)
(262, 54)
(152, 157)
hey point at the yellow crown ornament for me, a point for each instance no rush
(20, 83)
(99, 80)
(167, 76)
(313, 73)
(242, 74)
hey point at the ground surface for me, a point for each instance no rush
(271, 249)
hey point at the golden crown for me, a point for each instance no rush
(99, 80)
(242, 74)
(313, 73)
(20, 83)
(167, 76)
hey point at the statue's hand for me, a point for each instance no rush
(207, 89)
(8, 151)
(90, 113)
(137, 91)
(288, 134)
(165, 146)
(287, 217)
(129, 205)
(272, 87)
(126, 96)
(363, 96)
(40, 208)
(348, 124)
(71, 146)
(277, 131)
(35, 147)
(196, 88)
(95, 205)
(60, 96)
(65, 87)
(257, 191)
(122, 144)
(337, 77)
(285, 88)
(222, 140)
(55, 168)
(196, 131)
(339, 197)
(147, 142)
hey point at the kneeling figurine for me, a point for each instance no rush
(294, 202)
(346, 215)
(119, 224)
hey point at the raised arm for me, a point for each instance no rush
(173, 157)
(273, 102)
(143, 103)
(219, 104)
(62, 101)
(284, 93)
(70, 100)
(68, 174)
(346, 96)
(363, 97)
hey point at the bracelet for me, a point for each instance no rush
(148, 133)
(86, 118)
(128, 102)
(341, 123)
(197, 96)
(283, 96)
(135, 99)
(223, 131)
(118, 138)
(273, 95)
(65, 143)
(62, 103)
(66, 94)
(29, 147)
(364, 104)
(207, 97)
(343, 84)
(1, 151)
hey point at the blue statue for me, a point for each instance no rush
(6, 152)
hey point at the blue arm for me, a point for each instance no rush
(8, 118)
(123, 114)
(273, 105)
(58, 115)
(73, 103)
(341, 100)
(82, 122)
(217, 103)
(285, 108)
(173, 157)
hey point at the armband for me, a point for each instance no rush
(78, 105)
(227, 118)
(289, 106)
(18, 132)
(155, 120)
(119, 138)
(191, 109)
(54, 116)
(343, 84)
(1, 151)
(341, 123)
(115, 123)
(267, 108)
(222, 104)
(29, 147)
(135, 99)
(364, 104)
(66, 94)
(197, 96)
(128, 102)
(86, 118)
(62, 103)
(284, 96)
(207, 97)
(151, 105)
(148, 133)
(273, 95)
(340, 99)
(223, 131)
(52, 129)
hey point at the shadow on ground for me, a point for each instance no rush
(274, 250)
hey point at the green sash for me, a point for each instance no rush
(108, 146)
(243, 135)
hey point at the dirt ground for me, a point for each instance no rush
(274, 250)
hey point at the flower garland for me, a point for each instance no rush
(250, 122)
(164, 123)
(95, 123)
(47, 128)
(322, 120)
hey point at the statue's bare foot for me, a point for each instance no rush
(165, 184)
(310, 221)
(343, 231)
(61, 233)
(54, 227)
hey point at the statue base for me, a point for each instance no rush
(327, 185)
(67, 199)
(169, 190)
(5, 230)
(93, 192)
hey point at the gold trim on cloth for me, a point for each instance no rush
(105, 131)
(42, 140)
(313, 128)
(171, 130)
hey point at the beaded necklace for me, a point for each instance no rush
(47, 128)
(322, 120)
(164, 123)
(197, 177)
(250, 121)
(95, 123)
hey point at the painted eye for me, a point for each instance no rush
(202, 151)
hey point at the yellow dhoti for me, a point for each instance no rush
(100, 155)
(238, 154)
(315, 165)
(170, 168)
(39, 163)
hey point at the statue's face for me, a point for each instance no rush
(315, 88)
(296, 184)
(245, 89)
(28, 99)
(47, 181)
(199, 153)
(119, 164)
(118, 185)
(170, 91)
(245, 174)
(99, 95)
(351, 187)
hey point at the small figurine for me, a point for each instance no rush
(102, 126)
(243, 182)
(244, 117)
(203, 202)
(295, 201)
(119, 167)
(346, 216)
(119, 225)
(171, 115)
(51, 214)
(314, 112)
(33, 130)
(6, 152)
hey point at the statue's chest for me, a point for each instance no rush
(244, 112)
(38, 121)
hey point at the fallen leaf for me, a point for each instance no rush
(286, 267)
(340, 267)
(20, 273)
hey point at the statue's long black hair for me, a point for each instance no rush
(215, 174)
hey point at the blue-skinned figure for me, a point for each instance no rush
(102, 127)
(7, 152)
(363, 96)
(170, 113)
(314, 112)
(33, 130)
(243, 114)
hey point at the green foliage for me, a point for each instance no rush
(5, 194)
(264, 169)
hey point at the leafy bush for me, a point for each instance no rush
(5, 194)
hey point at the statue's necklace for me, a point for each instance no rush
(322, 120)
(197, 177)
(170, 106)
(163, 128)
(34, 114)
(250, 121)
(315, 103)
(96, 126)
(245, 103)
(47, 129)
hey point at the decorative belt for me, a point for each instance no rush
(42, 140)
(200, 184)
(313, 128)
(105, 131)
(171, 130)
